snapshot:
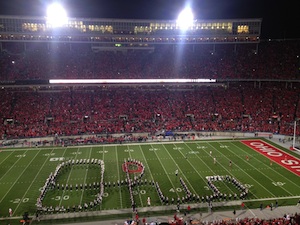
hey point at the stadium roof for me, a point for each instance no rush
(129, 31)
(280, 18)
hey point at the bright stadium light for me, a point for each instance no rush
(128, 81)
(56, 15)
(185, 18)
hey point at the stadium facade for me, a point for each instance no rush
(58, 55)
(120, 32)
(123, 35)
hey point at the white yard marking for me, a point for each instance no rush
(119, 176)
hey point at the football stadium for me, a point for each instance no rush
(105, 119)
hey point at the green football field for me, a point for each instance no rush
(23, 173)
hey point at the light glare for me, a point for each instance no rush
(56, 15)
(185, 18)
(128, 81)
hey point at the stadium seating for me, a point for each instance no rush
(270, 60)
(245, 107)
(236, 106)
(37, 113)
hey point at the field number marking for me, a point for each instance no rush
(55, 159)
(49, 154)
(101, 152)
(58, 198)
(178, 148)
(105, 195)
(193, 152)
(177, 189)
(142, 192)
(18, 200)
(128, 150)
(224, 146)
(153, 149)
(278, 184)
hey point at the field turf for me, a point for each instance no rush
(23, 172)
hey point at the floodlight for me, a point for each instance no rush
(128, 81)
(56, 15)
(185, 18)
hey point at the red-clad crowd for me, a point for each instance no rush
(25, 113)
(267, 60)
(235, 106)
(286, 219)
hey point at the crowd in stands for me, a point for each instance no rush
(236, 106)
(268, 60)
(26, 113)
(284, 220)
(240, 106)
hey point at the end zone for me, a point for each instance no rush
(278, 156)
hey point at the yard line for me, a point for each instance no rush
(138, 188)
(271, 168)
(33, 181)
(180, 169)
(205, 181)
(29, 163)
(276, 171)
(146, 162)
(62, 196)
(165, 171)
(242, 170)
(141, 200)
(227, 172)
(103, 156)
(207, 166)
(7, 157)
(10, 168)
(86, 176)
(119, 177)
(261, 172)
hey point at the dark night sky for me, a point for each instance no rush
(280, 18)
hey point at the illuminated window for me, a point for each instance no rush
(243, 29)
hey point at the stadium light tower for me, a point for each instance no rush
(56, 15)
(185, 18)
